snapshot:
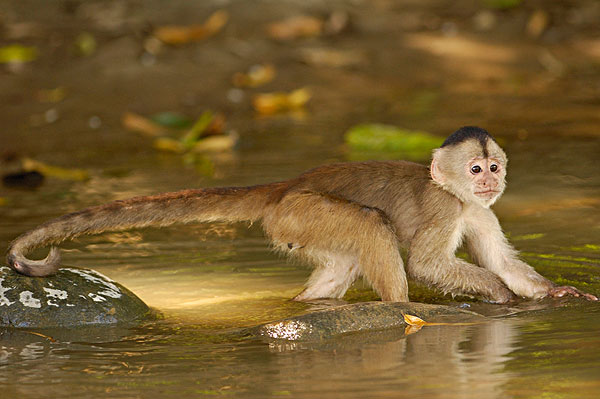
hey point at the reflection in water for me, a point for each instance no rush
(444, 361)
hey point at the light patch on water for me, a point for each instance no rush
(27, 299)
(3, 299)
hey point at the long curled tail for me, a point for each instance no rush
(211, 204)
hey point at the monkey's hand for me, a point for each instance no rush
(560, 291)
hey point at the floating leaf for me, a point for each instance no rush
(178, 35)
(377, 137)
(295, 27)
(270, 103)
(17, 54)
(215, 143)
(197, 130)
(172, 120)
(168, 144)
(140, 124)
(85, 44)
(55, 171)
(257, 75)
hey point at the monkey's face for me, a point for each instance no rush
(473, 171)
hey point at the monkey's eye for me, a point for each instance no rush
(493, 167)
(475, 169)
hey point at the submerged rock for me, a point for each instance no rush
(366, 316)
(72, 297)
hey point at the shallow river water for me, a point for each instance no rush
(209, 281)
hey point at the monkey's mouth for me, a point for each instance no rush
(486, 193)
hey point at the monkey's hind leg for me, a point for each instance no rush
(333, 275)
(344, 238)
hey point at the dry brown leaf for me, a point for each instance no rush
(178, 35)
(295, 27)
(140, 124)
(271, 103)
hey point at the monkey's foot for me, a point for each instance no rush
(559, 292)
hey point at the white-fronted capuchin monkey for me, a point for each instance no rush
(350, 220)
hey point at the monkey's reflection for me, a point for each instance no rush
(437, 361)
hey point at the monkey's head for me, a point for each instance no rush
(470, 165)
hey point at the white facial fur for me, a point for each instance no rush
(463, 170)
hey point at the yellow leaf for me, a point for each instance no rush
(215, 143)
(178, 35)
(270, 103)
(55, 171)
(17, 54)
(167, 144)
(140, 124)
(258, 75)
(295, 27)
(413, 320)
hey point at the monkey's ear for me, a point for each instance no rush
(434, 169)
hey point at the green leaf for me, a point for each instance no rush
(195, 132)
(17, 54)
(378, 137)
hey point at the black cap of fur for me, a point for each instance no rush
(469, 132)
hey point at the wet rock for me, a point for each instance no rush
(366, 316)
(72, 297)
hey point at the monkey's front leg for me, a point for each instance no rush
(489, 247)
(431, 260)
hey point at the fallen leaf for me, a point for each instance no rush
(215, 143)
(270, 103)
(178, 35)
(140, 124)
(257, 75)
(413, 320)
(168, 144)
(172, 120)
(295, 27)
(85, 44)
(17, 54)
(55, 171)
(537, 24)
(378, 137)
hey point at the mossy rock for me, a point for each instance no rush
(73, 297)
(360, 317)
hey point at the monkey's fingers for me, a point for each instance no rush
(559, 292)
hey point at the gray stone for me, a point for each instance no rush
(359, 317)
(72, 297)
